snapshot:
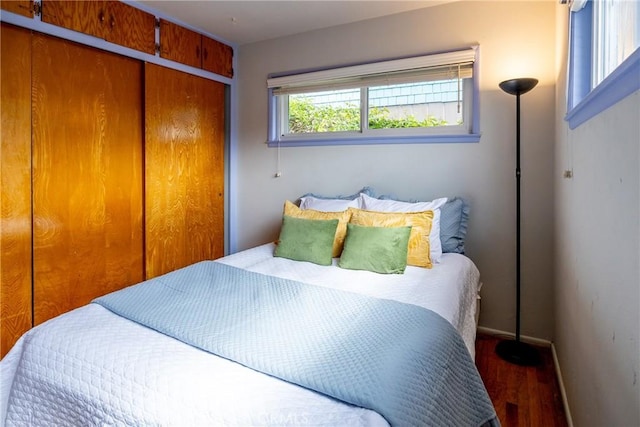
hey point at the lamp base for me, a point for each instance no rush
(518, 352)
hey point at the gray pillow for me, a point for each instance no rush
(454, 217)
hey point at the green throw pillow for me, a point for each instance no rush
(307, 239)
(378, 249)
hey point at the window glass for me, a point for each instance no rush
(406, 100)
(616, 35)
(604, 56)
(328, 111)
(416, 105)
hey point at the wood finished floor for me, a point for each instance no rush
(523, 396)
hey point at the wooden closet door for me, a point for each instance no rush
(217, 57)
(15, 185)
(131, 27)
(87, 174)
(184, 169)
(88, 17)
(180, 44)
(20, 7)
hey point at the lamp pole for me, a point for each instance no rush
(515, 351)
(518, 238)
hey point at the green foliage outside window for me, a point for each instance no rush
(305, 117)
(379, 119)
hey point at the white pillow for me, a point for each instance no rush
(328, 205)
(435, 245)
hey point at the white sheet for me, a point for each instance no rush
(91, 367)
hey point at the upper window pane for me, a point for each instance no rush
(604, 56)
(616, 35)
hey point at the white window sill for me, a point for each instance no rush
(424, 139)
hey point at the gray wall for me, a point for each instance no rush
(597, 295)
(516, 39)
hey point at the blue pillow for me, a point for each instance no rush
(454, 217)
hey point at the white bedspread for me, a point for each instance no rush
(92, 367)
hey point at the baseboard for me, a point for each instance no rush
(563, 391)
(523, 338)
(556, 363)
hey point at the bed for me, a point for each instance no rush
(92, 366)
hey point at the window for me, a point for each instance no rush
(604, 56)
(616, 35)
(422, 99)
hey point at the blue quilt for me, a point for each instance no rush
(405, 362)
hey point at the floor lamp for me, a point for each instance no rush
(515, 351)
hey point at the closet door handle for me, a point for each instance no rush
(197, 51)
(205, 53)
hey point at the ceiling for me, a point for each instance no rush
(240, 22)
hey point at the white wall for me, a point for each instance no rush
(517, 39)
(597, 229)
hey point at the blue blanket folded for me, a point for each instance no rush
(405, 362)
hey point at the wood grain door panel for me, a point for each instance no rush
(15, 185)
(131, 27)
(88, 17)
(217, 57)
(19, 7)
(184, 169)
(180, 44)
(87, 174)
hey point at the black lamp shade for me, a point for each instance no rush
(518, 86)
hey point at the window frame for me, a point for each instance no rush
(583, 101)
(467, 133)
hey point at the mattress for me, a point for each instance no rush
(91, 361)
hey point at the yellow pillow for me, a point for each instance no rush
(290, 209)
(420, 222)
